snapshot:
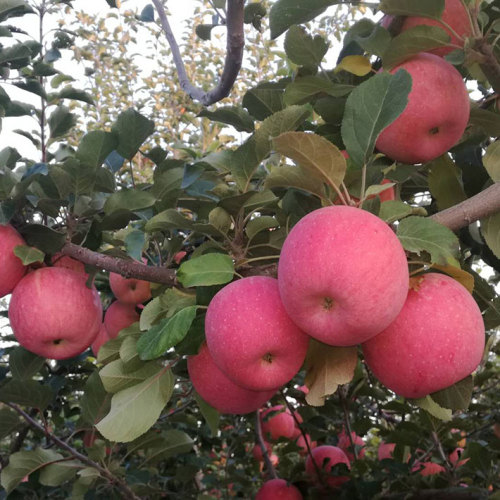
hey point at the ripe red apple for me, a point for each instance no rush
(129, 290)
(257, 451)
(326, 457)
(11, 267)
(455, 16)
(301, 443)
(119, 316)
(278, 489)
(436, 340)
(53, 314)
(277, 422)
(345, 445)
(436, 115)
(385, 450)
(251, 337)
(102, 338)
(333, 264)
(218, 390)
(60, 260)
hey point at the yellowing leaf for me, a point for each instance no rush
(357, 65)
(328, 367)
(463, 277)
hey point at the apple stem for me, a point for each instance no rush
(262, 444)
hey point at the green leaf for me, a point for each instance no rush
(95, 402)
(456, 397)
(210, 414)
(70, 92)
(295, 177)
(304, 49)
(264, 100)
(370, 108)
(136, 409)
(12, 8)
(419, 234)
(134, 243)
(231, 115)
(166, 334)
(490, 229)
(95, 147)
(420, 8)
(132, 129)
(23, 463)
(26, 393)
(44, 238)
(445, 182)
(430, 406)
(259, 224)
(61, 121)
(24, 364)
(115, 377)
(171, 443)
(129, 199)
(491, 161)
(486, 120)
(413, 41)
(304, 89)
(206, 270)
(9, 421)
(167, 220)
(204, 31)
(57, 474)
(370, 36)
(314, 154)
(28, 255)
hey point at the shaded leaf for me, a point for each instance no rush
(295, 177)
(61, 121)
(57, 474)
(132, 129)
(171, 443)
(445, 182)
(24, 364)
(210, 414)
(490, 229)
(304, 49)
(129, 199)
(95, 147)
(9, 421)
(303, 90)
(421, 8)
(491, 161)
(115, 377)
(28, 255)
(231, 115)
(432, 407)
(26, 393)
(456, 397)
(95, 402)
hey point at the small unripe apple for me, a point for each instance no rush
(54, 314)
(326, 457)
(278, 489)
(129, 290)
(119, 316)
(102, 338)
(11, 266)
(437, 339)
(277, 422)
(334, 263)
(251, 337)
(436, 115)
(218, 390)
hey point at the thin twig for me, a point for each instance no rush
(262, 444)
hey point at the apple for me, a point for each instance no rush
(278, 489)
(218, 390)
(257, 451)
(251, 337)
(179, 256)
(435, 117)
(129, 290)
(428, 468)
(454, 15)
(102, 338)
(342, 275)
(455, 457)
(326, 457)
(301, 443)
(119, 316)
(345, 445)
(54, 314)
(277, 422)
(60, 260)
(437, 339)
(11, 266)
(385, 451)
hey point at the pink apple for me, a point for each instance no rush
(301, 443)
(251, 337)
(119, 316)
(54, 314)
(455, 16)
(437, 340)
(385, 450)
(102, 338)
(218, 390)
(179, 256)
(277, 422)
(342, 275)
(11, 266)
(428, 468)
(278, 489)
(436, 115)
(60, 260)
(326, 457)
(345, 445)
(129, 290)
(257, 451)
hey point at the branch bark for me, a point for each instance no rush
(234, 53)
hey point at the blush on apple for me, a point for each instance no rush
(119, 316)
(277, 422)
(437, 339)
(218, 390)
(54, 314)
(11, 266)
(278, 489)
(436, 115)
(343, 275)
(326, 457)
(129, 290)
(251, 337)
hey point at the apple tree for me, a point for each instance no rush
(306, 307)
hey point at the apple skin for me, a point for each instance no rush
(11, 267)
(278, 489)
(102, 338)
(333, 263)
(385, 451)
(257, 451)
(251, 337)
(218, 390)
(326, 457)
(436, 115)
(59, 260)
(129, 290)
(119, 316)
(437, 340)
(53, 314)
(454, 15)
(345, 444)
(301, 443)
(279, 423)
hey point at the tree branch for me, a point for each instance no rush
(122, 486)
(262, 444)
(234, 53)
(489, 64)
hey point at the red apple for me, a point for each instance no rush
(179, 256)
(102, 338)
(119, 316)
(60, 260)
(428, 468)
(218, 390)
(435, 117)
(345, 445)
(129, 290)
(54, 314)
(326, 457)
(11, 267)
(257, 451)
(436, 340)
(251, 337)
(277, 422)
(278, 489)
(385, 450)
(301, 443)
(455, 16)
(333, 264)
